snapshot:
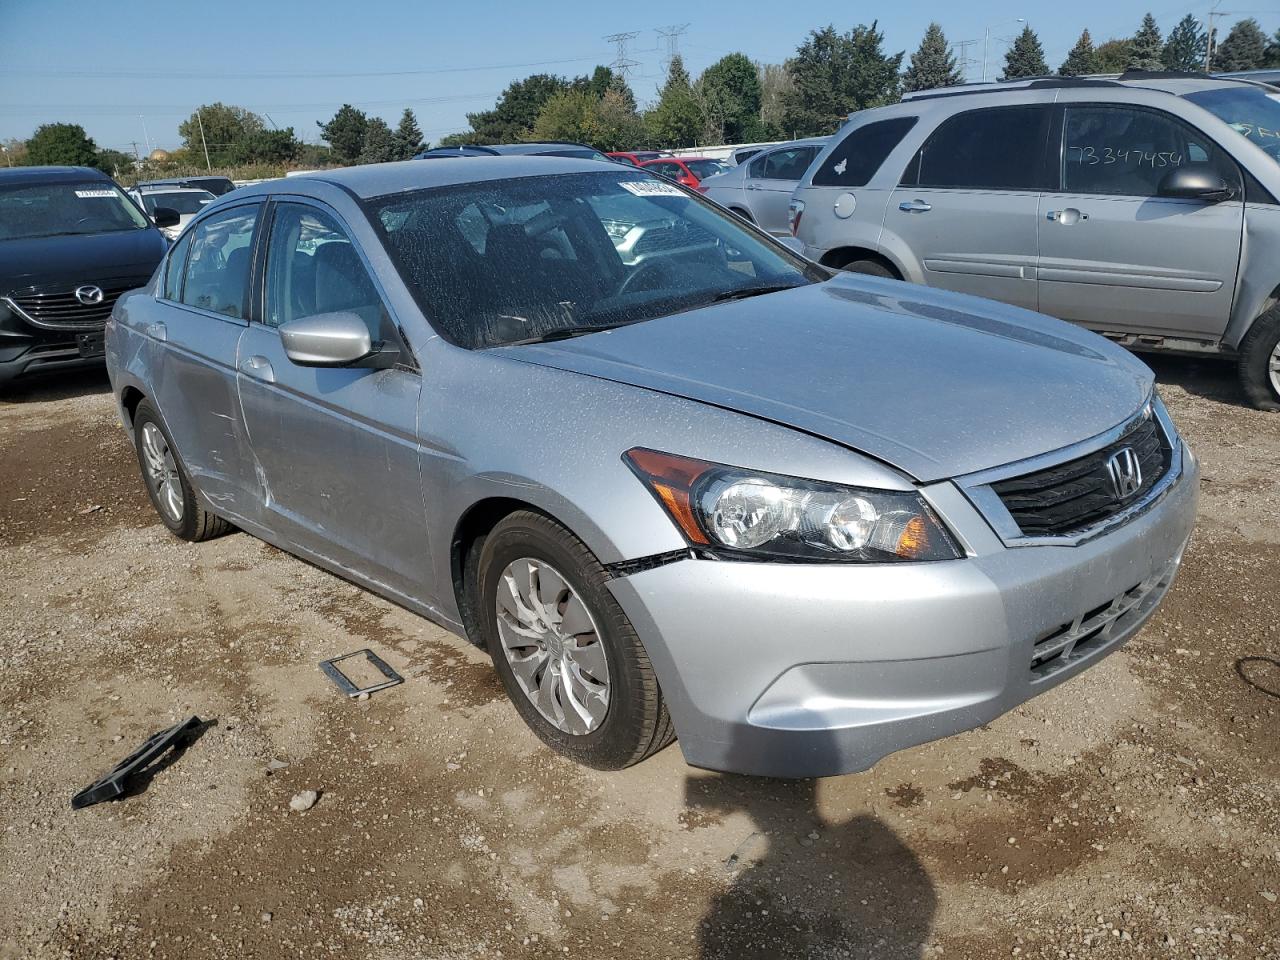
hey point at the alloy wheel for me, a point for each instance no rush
(551, 642)
(1273, 369)
(162, 472)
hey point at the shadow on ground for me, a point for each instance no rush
(1213, 378)
(47, 388)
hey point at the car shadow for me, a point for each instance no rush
(67, 385)
(1213, 378)
(805, 885)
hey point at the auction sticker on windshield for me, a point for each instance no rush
(651, 188)
(85, 194)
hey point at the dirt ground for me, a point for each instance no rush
(1134, 810)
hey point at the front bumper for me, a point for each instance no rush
(802, 670)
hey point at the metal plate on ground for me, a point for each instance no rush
(334, 673)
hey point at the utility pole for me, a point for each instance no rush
(622, 64)
(670, 39)
(145, 136)
(205, 143)
(1211, 35)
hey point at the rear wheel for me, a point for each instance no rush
(167, 484)
(872, 268)
(568, 656)
(1259, 366)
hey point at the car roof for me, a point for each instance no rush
(167, 188)
(380, 179)
(1165, 81)
(51, 175)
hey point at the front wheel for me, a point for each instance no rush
(871, 268)
(166, 479)
(1259, 367)
(568, 656)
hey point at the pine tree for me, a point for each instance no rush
(1244, 49)
(676, 119)
(1082, 59)
(408, 136)
(933, 65)
(1147, 47)
(834, 74)
(1025, 58)
(1186, 47)
(1272, 56)
(379, 142)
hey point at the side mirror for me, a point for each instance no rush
(339, 339)
(1199, 182)
(166, 217)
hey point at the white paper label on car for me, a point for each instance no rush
(95, 193)
(651, 188)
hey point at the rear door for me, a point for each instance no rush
(337, 446)
(1117, 256)
(967, 203)
(771, 177)
(195, 331)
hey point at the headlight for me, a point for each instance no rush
(748, 514)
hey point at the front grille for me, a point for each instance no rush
(1075, 495)
(62, 311)
(1064, 645)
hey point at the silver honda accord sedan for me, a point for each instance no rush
(676, 480)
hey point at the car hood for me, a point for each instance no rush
(938, 385)
(79, 259)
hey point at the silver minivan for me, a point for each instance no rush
(1143, 207)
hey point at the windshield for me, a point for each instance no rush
(1250, 111)
(30, 210)
(514, 260)
(706, 168)
(182, 201)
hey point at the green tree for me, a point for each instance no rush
(1146, 49)
(1025, 57)
(729, 91)
(1112, 56)
(834, 74)
(676, 119)
(1272, 56)
(615, 125)
(566, 116)
(345, 133)
(1186, 46)
(61, 144)
(1082, 59)
(775, 83)
(225, 128)
(517, 109)
(379, 143)
(1244, 49)
(262, 146)
(408, 136)
(113, 162)
(933, 65)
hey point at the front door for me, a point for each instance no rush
(1114, 254)
(771, 177)
(337, 446)
(195, 326)
(966, 206)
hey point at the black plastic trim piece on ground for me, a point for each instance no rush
(113, 784)
(332, 671)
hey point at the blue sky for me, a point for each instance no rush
(133, 69)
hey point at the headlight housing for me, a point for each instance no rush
(749, 514)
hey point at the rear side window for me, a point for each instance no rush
(217, 274)
(789, 164)
(855, 161)
(173, 268)
(1000, 148)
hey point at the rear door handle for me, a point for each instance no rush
(1067, 216)
(157, 331)
(914, 206)
(259, 368)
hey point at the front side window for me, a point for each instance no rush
(1128, 151)
(859, 155)
(217, 270)
(29, 210)
(313, 268)
(511, 261)
(1251, 111)
(1000, 148)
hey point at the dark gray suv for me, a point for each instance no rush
(1144, 207)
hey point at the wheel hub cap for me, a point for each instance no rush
(162, 472)
(550, 640)
(1273, 369)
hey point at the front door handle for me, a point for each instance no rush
(915, 206)
(1066, 217)
(259, 368)
(157, 330)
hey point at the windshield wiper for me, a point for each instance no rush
(741, 293)
(564, 333)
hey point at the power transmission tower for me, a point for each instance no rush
(963, 60)
(623, 64)
(670, 42)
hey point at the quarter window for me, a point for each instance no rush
(859, 155)
(313, 268)
(217, 270)
(1123, 151)
(1000, 148)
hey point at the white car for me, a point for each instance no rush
(185, 201)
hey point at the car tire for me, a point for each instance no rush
(872, 268)
(548, 578)
(167, 483)
(1259, 364)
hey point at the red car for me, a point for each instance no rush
(690, 171)
(633, 157)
